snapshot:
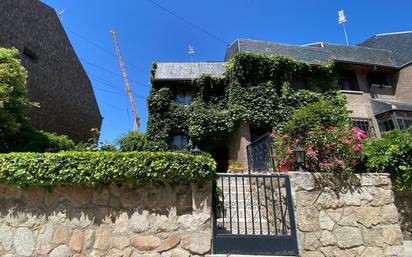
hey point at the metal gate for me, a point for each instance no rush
(253, 214)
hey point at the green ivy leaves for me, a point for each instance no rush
(92, 168)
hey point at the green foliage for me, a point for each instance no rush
(14, 101)
(316, 117)
(92, 168)
(392, 154)
(31, 140)
(132, 141)
(255, 88)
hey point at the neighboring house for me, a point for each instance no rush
(57, 79)
(377, 81)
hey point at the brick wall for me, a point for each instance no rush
(57, 79)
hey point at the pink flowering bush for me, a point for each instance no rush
(329, 150)
(329, 144)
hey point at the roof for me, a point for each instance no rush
(399, 43)
(188, 71)
(317, 53)
(380, 106)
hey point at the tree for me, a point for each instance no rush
(14, 100)
(132, 141)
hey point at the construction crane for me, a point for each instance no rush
(127, 85)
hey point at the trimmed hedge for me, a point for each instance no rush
(93, 168)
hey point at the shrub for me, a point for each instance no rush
(323, 131)
(392, 154)
(30, 140)
(92, 168)
(317, 116)
(132, 141)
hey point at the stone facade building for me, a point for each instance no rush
(57, 80)
(376, 77)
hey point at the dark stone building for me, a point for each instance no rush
(57, 79)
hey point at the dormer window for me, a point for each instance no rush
(30, 54)
(183, 96)
(348, 81)
(377, 80)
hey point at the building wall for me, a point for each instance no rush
(404, 88)
(57, 79)
(237, 144)
(105, 221)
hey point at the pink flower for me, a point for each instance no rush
(348, 141)
(275, 156)
(273, 134)
(358, 133)
(326, 164)
(285, 137)
(340, 164)
(290, 150)
(311, 153)
(296, 140)
(332, 129)
(357, 148)
(354, 163)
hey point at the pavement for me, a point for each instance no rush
(408, 248)
(406, 244)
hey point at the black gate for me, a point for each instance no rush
(259, 155)
(253, 214)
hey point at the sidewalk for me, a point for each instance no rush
(408, 248)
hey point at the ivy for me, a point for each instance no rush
(255, 88)
(92, 168)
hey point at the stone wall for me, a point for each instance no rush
(349, 216)
(105, 221)
(403, 201)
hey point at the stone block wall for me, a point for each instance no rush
(349, 216)
(105, 221)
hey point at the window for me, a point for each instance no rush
(179, 142)
(29, 53)
(183, 97)
(394, 120)
(348, 81)
(404, 119)
(365, 125)
(377, 79)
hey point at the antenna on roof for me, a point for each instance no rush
(342, 20)
(60, 14)
(191, 51)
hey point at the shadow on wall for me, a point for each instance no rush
(97, 204)
(403, 201)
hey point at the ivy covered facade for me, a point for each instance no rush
(221, 107)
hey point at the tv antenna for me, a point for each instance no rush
(191, 51)
(60, 14)
(342, 20)
(127, 85)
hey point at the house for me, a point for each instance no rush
(375, 76)
(57, 80)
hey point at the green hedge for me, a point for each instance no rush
(92, 168)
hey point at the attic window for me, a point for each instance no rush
(377, 79)
(29, 53)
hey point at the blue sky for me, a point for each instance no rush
(148, 34)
